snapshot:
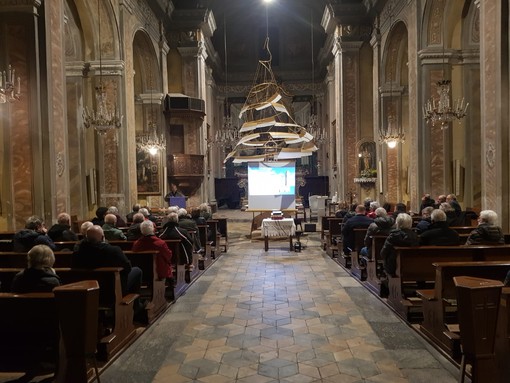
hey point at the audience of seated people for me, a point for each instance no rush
(120, 221)
(382, 224)
(111, 233)
(171, 230)
(425, 221)
(134, 232)
(39, 275)
(439, 232)
(34, 233)
(360, 220)
(487, 232)
(149, 241)
(402, 235)
(95, 252)
(61, 231)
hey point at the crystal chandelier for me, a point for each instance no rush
(391, 135)
(151, 142)
(10, 86)
(227, 136)
(441, 111)
(103, 118)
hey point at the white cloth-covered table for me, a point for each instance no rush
(278, 228)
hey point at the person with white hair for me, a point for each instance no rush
(191, 227)
(120, 221)
(134, 231)
(439, 233)
(171, 230)
(382, 225)
(404, 236)
(39, 275)
(111, 232)
(61, 231)
(487, 232)
(150, 242)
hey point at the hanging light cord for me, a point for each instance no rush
(226, 60)
(313, 62)
(99, 43)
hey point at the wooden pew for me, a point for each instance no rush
(153, 288)
(502, 344)
(333, 237)
(223, 231)
(203, 232)
(19, 260)
(359, 242)
(415, 269)
(29, 329)
(116, 328)
(375, 264)
(324, 230)
(439, 303)
(216, 237)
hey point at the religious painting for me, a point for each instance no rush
(148, 173)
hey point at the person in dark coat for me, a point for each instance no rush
(134, 231)
(487, 232)
(451, 217)
(360, 220)
(452, 200)
(425, 221)
(399, 208)
(439, 233)
(34, 233)
(130, 216)
(171, 230)
(61, 231)
(190, 225)
(99, 218)
(94, 252)
(427, 201)
(403, 235)
(39, 275)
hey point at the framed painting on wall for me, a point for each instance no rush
(148, 173)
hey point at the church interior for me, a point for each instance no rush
(110, 102)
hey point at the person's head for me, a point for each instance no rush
(110, 219)
(488, 216)
(374, 205)
(441, 199)
(427, 211)
(136, 207)
(404, 221)
(195, 212)
(173, 217)
(438, 215)
(172, 209)
(381, 212)
(138, 218)
(400, 207)
(34, 223)
(367, 203)
(64, 219)
(144, 211)
(446, 207)
(95, 234)
(204, 208)
(40, 257)
(173, 187)
(113, 210)
(84, 227)
(147, 228)
(360, 209)
(451, 197)
(387, 206)
(101, 212)
(182, 213)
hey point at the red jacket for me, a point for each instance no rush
(164, 258)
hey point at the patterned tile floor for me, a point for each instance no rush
(278, 316)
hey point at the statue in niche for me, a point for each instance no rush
(367, 160)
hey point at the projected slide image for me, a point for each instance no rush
(268, 180)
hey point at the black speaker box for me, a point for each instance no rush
(310, 227)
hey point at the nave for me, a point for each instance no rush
(278, 316)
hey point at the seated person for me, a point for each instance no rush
(134, 231)
(382, 225)
(427, 201)
(372, 208)
(39, 276)
(190, 225)
(148, 242)
(195, 215)
(425, 221)
(94, 252)
(487, 232)
(452, 200)
(120, 221)
(205, 211)
(61, 231)
(171, 230)
(111, 233)
(99, 218)
(451, 217)
(34, 233)
(439, 233)
(403, 235)
(129, 217)
(83, 231)
(399, 208)
(360, 220)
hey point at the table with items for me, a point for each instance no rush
(278, 228)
